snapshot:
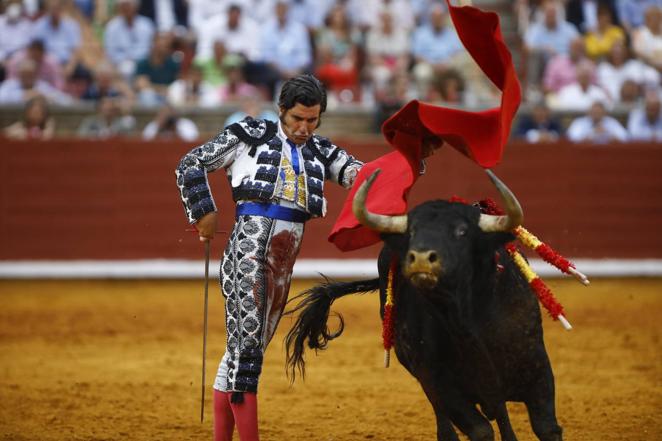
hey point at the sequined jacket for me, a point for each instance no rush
(251, 153)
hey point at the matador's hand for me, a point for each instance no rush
(206, 226)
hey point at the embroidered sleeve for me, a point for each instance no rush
(192, 172)
(342, 168)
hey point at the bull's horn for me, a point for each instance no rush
(378, 222)
(514, 215)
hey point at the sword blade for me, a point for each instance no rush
(204, 333)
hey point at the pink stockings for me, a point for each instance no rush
(227, 414)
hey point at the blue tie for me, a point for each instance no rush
(295, 157)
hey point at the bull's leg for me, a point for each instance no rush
(543, 419)
(503, 421)
(445, 431)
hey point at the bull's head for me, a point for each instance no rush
(439, 239)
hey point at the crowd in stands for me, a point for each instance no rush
(586, 57)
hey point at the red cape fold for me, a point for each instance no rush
(481, 136)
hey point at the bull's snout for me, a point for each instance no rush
(422, 268)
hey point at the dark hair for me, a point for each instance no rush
(303, 89)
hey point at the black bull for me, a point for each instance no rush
(466, 326)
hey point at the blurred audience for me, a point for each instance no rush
(338, 52)
(388, 50)
(26, 85)
(600, 40)
(236, 86)
(48, 69)
(167, 15)
(169, 125)
(15, 30)
(562, 68)
(62, 38)
(596, 127)
(106, 82)
(285, 44)
(647, 39)
(580, 95)
(193, 90)
(433, 47)
(156, 72)
(645, 122)
(618, 68)
(539, 125)
(212, 68)
(128, 37)
(631, 12)
(238, 33)
(111, 120)
(545, 39)
(584, 14)
(36, 123)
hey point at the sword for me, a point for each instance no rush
(204, 334)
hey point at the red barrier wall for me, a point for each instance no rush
(118, 200)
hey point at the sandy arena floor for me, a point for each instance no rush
(120, 360)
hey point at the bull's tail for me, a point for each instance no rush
(314, 307)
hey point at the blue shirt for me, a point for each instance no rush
(631, 12)
(435, 47)
(60, 41)
(128, 43)
(288, 48)
(558, 40)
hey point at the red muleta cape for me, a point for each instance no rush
(481, 136)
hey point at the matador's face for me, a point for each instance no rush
(299, 122)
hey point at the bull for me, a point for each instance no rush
(467, 325)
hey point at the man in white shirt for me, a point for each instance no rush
(239, 34)
(645, 122)
(596, 127)
(580, 95)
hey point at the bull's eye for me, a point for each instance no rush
(461, 230)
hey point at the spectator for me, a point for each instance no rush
(562, 69)
(202, 10)
(212, 68)
(128, 37)
(600, 40)
(631, 12)
(368, 13)
(579, 96)
(433, 47)
(107, 83)
(236, 87)
(631, 92)
(539, 126)
(584, 14)
(645, 122)
(450, 87)
(36, 122)
(167, 15)
(169, 125)
(61, 37)
(387, 48)
(26, 85)
(543, 40)
(48, 69)
(15, 30)
(239, 34)
(338, 52)
(193, 90)
(391, 98)
(647, 39)
(619, 67)
(111, 121)
(160, 68)
(596, 127)
(285, 44)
